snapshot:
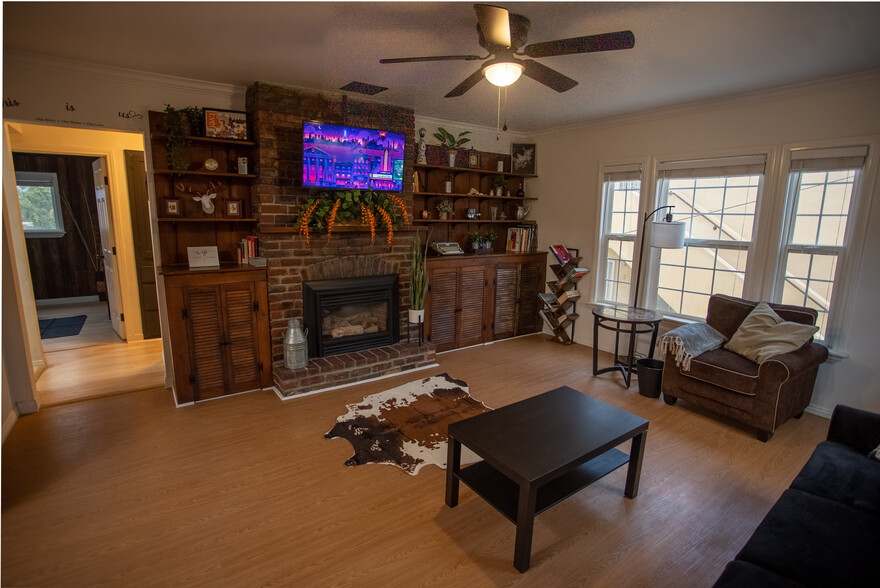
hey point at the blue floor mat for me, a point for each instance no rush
(61, 327)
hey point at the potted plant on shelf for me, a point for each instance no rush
(475, 239)
(499, 182)
(418, 281)
(444, 209)
(180, 125)
(451, 142)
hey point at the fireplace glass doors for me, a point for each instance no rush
(350, 314)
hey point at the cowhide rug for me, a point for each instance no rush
(406, 426)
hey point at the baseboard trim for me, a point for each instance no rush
(821, 411)
(61, 301)
(8, 423)
(377, 378)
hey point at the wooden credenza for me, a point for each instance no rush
(475, 299)
(219, 328)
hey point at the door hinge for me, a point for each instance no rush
(192, 379)
(256, 306)
(261, 366)
(122, 317)
(113, 249)
(106, 180)
(184, 313)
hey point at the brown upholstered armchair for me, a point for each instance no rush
(762, 396)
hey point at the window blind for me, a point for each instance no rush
(622, 173)
(835, 158)
(747, 165)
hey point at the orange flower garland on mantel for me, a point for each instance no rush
(332, 220)
(368, 218)
(304, 223)
(325, 210)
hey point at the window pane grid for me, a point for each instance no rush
(701, 272)
(621, 224)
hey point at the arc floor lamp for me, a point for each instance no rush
(665, 234)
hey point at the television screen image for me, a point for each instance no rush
(341, 157)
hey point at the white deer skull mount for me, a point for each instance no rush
(206, 199)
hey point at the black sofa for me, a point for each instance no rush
(825, 529)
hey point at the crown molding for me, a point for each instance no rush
(122, 75)
(730, 100)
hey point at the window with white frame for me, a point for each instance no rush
(620, 220)
(717, 199)
(40, 203)
(821, 198)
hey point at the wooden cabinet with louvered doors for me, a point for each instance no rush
(475, 299)
(220, 332)
(516, 297)
(457, 305)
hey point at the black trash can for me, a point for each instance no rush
(650, 374)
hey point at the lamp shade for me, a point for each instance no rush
(503, 73)
(667, 235)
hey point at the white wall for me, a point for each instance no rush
(568, 186)
(81, 96)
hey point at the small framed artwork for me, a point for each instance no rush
(172, 207)
(522, 158)
(226, 124)
(233, 208)
(474, 159)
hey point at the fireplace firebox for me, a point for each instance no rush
(349, 314)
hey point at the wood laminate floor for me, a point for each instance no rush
(128, 490)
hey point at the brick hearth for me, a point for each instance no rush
(276, 115)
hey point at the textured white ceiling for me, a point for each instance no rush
(683, 51)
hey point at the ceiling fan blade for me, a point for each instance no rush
(494, 24)
(588, 44)
(435, 58)
(549, 77)
(469, 82)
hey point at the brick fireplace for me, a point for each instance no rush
(276, 115)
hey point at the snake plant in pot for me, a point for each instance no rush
(418, 281)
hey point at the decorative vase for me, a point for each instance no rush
(296, 348)
(444, 215)
(501, 165)
(451, 155)
(448, 186)
(416, 316)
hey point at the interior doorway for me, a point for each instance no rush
(88, 269)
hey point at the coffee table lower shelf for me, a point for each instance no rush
(503, 493)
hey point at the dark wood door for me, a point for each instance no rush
(240, 336)
(136, 177)
(528, 305)
(442, 301)
(471, 305)
(506, 296)
(203, 312)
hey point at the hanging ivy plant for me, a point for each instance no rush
(180, 125)
(325, 210)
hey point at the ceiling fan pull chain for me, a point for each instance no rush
(498, 120)
(505, 110)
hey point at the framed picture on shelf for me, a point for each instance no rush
(474, 159)
(172, 207)
(226, 124)
(233, 208)
(522, 158)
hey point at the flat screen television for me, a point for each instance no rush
(341, 157)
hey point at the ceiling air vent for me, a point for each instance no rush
(362, 88)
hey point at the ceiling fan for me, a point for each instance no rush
(503, 34)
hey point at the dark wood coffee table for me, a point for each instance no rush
(539, 451)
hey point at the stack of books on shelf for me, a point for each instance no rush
(522, 239)
(249, 252)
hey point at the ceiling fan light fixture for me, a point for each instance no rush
(503, 73)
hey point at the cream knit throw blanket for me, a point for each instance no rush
(689, 341)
